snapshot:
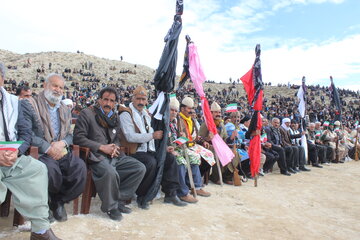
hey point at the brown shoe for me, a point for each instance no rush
(203, 193)
(229, 182)
(48, 235)
(189, 199)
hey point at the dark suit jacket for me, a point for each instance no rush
(273, 136)
(23, 127)
(88, 133)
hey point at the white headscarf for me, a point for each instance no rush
(283, 125)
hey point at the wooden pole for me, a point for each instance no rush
(356, 148)
(236, 177)
(337, 155)
(192, 185)
(219, 169)
(256, 180)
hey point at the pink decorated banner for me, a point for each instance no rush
(198, 78)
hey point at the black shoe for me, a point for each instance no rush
(286, 173)
(114, 214)
(174, 200)
(296, 169)
(122, 208)
(290, 170)
(59, 212)
(317, 165)
(144, 206)
(304, 169)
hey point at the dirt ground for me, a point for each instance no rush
(321, 204)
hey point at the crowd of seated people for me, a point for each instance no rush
(110, 116)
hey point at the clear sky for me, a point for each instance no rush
(312, 38)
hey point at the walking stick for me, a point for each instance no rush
(236, 177)
(219, 169)
(192, 185)
(356, 149)
(256, 180)
(337, 156)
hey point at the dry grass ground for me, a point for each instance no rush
(321, 204)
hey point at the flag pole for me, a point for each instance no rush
(356, 149)
(219, 169)
(236, 177)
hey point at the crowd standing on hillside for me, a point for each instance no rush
(111, 117)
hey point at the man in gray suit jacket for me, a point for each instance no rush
(51, 133)
(116, 176)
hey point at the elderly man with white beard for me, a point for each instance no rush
(50, 120)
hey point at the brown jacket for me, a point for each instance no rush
(285, 136)
(132, 147)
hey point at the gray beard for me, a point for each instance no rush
(51, 97)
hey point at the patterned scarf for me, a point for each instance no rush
(103, 120)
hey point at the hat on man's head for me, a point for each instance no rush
(140, 90)
(215, 107)
(337, 123)
(286, 120)
(174, 103)
(188, 102)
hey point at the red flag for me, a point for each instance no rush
(253, 85)
(207, 116)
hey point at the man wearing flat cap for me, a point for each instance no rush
(343, 148)
(183, 192)
(207, 135)
(204, 157)
(138, 136)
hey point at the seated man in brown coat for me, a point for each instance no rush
(116, 176)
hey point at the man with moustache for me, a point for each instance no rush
(23, 92)
(329, 152)
(115, 175)
(271, 155)
(295, 135)
(298, 152)
(312, 137)
(50, 124)
(186, 124)
(285, 155)
(25, 177)
(138, 136)
(227, 171)
(193, 157)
